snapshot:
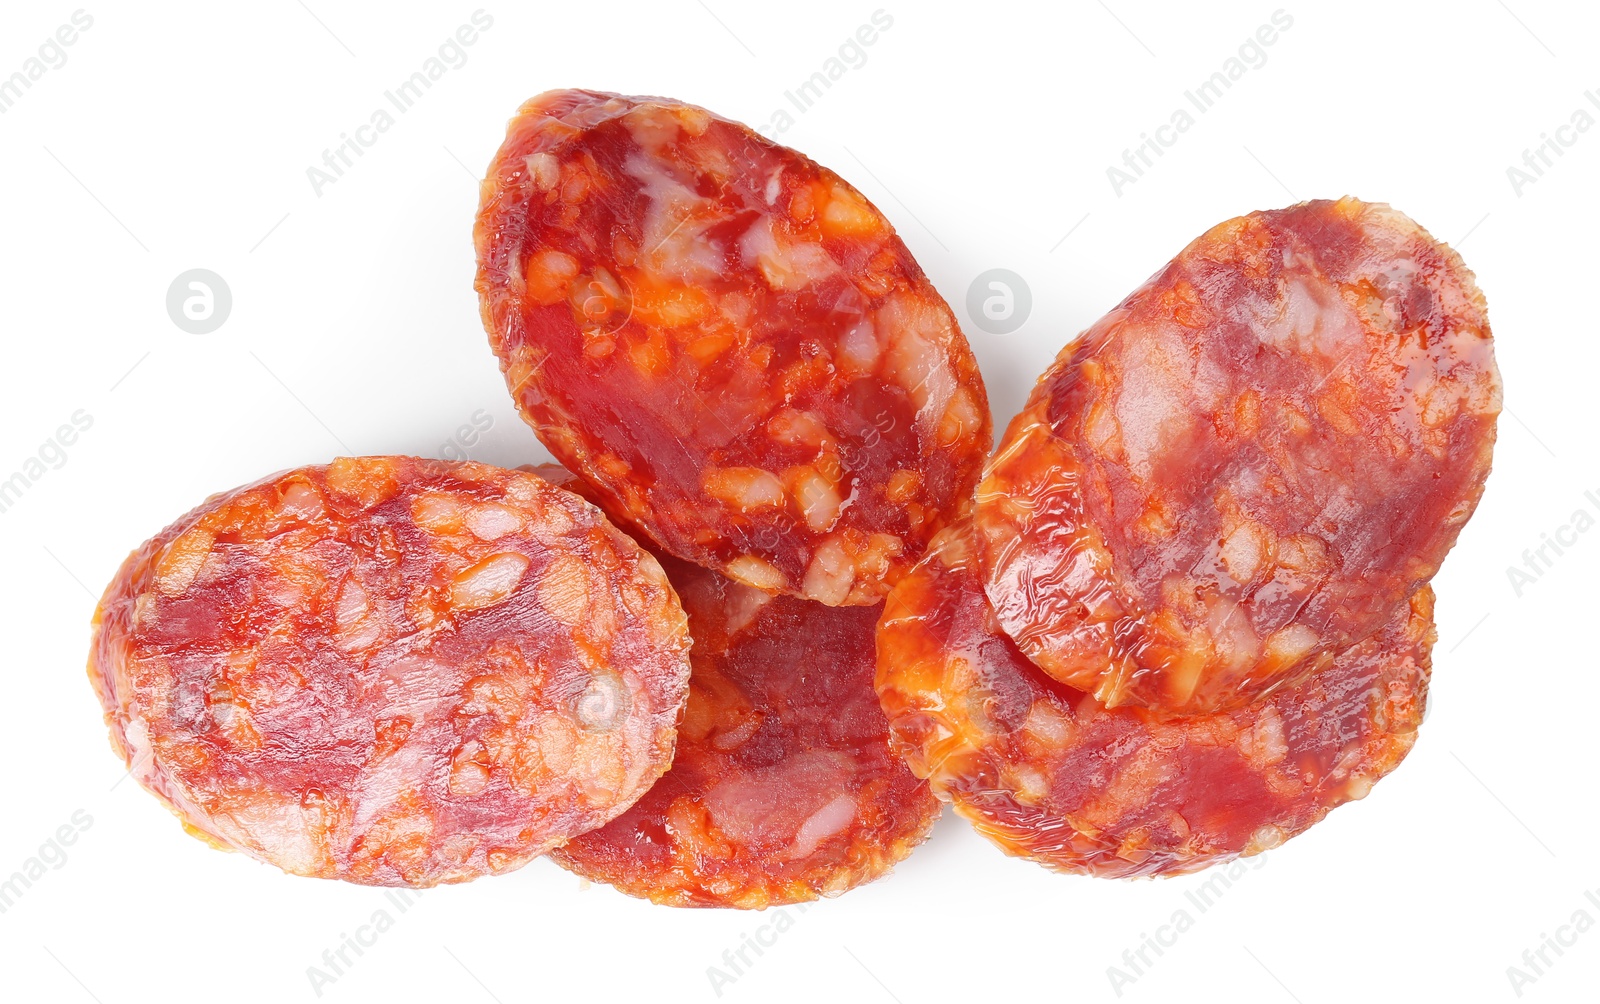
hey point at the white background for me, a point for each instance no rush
(178, 136)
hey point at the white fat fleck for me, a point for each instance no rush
(1267, 743)
(859, 347)
(819, 501)
(675, 221)
(793, 804)
(276, 827)
(489, 582)
(1048, 724)
(652, 128)
(1243, 551)
(357, 630)
(302, 500)
(1152, 402)
(141, 755)
(1235, 642)
(830, 574)
(416, 687)
(1340, 332)
(757, 241)
(544, 169)
(752, 570)
(1028, 781)
(822, 824)
(1305, 317)
(1264, 839)
(1291, 643)
(918, 332)
(1211, 383)
(783, 264)
(741, 605)
(1274, 319)
(491, 521)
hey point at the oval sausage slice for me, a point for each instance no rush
(728, 341)
(392, 671)
(1051, 774)
(784, 787)
(1248, 465)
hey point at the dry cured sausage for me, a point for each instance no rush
(1051, 774)
(1248, 465)
(784, 787)
(728, 341)
(392, 671)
